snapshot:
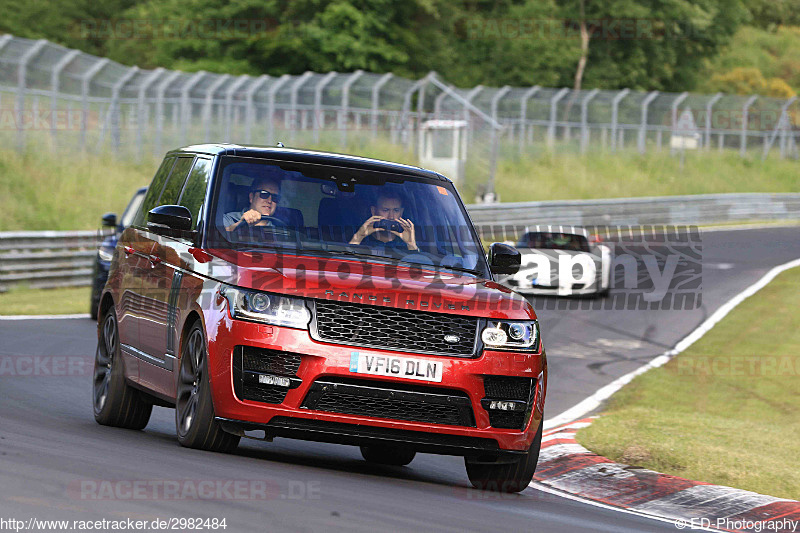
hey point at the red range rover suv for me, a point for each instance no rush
(270, 292)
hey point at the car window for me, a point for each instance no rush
(195, 189)
(154, 191)
(132, 209)
(175, 182)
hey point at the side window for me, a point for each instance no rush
(154, 191)
(175, 182)
(195, 189)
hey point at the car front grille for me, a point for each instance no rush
(507, 388)
(389, 400)
(511, 389)
(250, 362)
(395, 329)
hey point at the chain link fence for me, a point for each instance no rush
(68, 100)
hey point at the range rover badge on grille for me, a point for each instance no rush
(452, 339)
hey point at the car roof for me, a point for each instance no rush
(309, 156)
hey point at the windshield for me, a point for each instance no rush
(554, 241)
(337, 211)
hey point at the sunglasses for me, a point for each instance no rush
(266, 195)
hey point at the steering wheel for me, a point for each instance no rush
(275, 221)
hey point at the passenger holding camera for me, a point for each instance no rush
(386, 227)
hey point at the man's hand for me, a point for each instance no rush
(365, 230)
(250, 217)
(408, 236)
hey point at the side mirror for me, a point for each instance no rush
(169, 219)
(504, 259)
(109, 220)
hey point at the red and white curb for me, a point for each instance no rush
(568, 467)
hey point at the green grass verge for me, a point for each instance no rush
(25, 301)
(42, 191)
(725, 411)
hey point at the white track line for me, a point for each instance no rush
(43, 317)
(595, 400)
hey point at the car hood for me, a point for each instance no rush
(367, 282)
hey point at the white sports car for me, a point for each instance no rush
(562, 261)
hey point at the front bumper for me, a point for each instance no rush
(323, 362)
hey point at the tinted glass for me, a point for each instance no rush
(195, 190)
(554, 241)
(331, 210)
(154, 191)
(175, 182)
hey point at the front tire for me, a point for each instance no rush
(194, 409)
(115, 402)
(506, 477)
(387, 455)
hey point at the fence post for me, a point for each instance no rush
(209, 103)
(551, 128)
(709, 106)
(186, 109)
(615, 116)
(342, 117)
(783, 122)
(21, 88)
(319, 115)
(406, 112)
(55, 82)
(585, 118)
(376, 92)
(745, 125)
(643, 126)
(235, 86)
(150, 80)
(523, 114)
(293, 90)
(160, 90)
(271, 106)
(114, 111)
(674, 109)
(251, 110)
(86, 79)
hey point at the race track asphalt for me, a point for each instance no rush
(57, 463)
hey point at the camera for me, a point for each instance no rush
(388, 225)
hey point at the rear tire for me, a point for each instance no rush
(387, 455)
(506, 477)
(115, 402)
(194, 409)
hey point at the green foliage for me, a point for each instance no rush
(774, 55)
(749, 81)
(641, 44)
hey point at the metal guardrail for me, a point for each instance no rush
(698, 210)
(46, 259)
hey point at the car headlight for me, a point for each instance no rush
(105, 254)
(516, 335)
(267, 308)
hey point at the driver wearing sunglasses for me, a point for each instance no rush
(264, 197)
